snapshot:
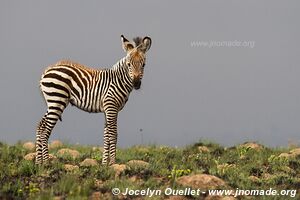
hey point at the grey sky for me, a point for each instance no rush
(224, 94)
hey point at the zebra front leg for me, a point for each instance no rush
(113, 134)
(110, 131)
(105, 156)
(113, 147)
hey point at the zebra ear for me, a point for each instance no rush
(146, 44)
(127, 46)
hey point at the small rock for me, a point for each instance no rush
(285, 155)
(118, 169)
(58, 198)
(253, 178)
(252, 145)
(52, 157)
(135, 179)
(267, 176)
(201, 181)
(292, 154)
(70, 168)
(68, 152)
(203, 149)
(30, 156)
(139, 163)
(29, 146)
(55, 144)
(89, 162)
(295, 152)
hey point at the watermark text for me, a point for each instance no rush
(219, 44)
(197, 192)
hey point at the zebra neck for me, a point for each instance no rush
(119, 64)
(121, 71)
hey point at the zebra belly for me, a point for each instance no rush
(88, 106)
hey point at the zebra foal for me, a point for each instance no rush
(91, 90)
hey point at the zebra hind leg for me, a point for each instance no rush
(57, 98)
(51, 117)
(38, 144)
(44, 131)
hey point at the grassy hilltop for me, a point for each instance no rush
(78, 174)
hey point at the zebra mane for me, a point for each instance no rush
(137, 41)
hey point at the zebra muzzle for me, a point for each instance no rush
(137, 84)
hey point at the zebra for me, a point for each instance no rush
(91, 90)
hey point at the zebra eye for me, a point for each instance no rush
(128, 64)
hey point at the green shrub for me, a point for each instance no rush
(27, 168)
